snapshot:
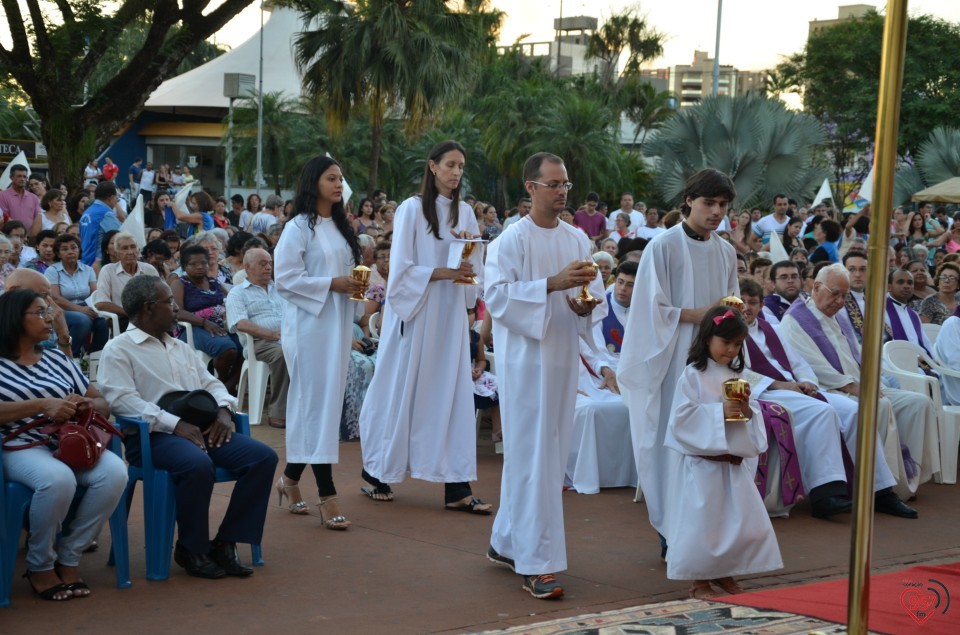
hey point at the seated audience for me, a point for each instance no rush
(115, 276)
(71, 285)
(157, 253)
(787, 283)
(938, 307)
(611, 329)
(202, 300)
(6, 268)
(58, 391)
(485, 396)
(33, 281)
(54, 206)
(190, 435)
(254, 307)
(901, 322)
(44, 247)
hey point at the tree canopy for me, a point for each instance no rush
(60, 49)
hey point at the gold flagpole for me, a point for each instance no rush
(885, 157)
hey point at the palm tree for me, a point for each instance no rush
(408, 58)
(626, 31)
(645, 107)
(762, 145)
(938, 159)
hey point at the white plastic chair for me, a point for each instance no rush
(902, 359)
(203, 357)
(374, 325)
(931, 331)
(114, 321)
(257, 373)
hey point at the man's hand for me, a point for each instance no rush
(577, 274)
(786, 385)
(582, 308)
(809, 388)
(609, 381)
(853, 389)
(191, 433)
(221, 430)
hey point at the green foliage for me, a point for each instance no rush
(938, 159)
(13, 112)
(762, 145)
(624, 32)
(645, 107)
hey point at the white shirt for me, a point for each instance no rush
(903, 312)
(768, 224)
(146, 180)
(649, 233)
(113, 278)
(137, 369)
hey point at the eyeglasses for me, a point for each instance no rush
(949, 278)
(43, 314)
(567, 185)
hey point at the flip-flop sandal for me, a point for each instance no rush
(51, 593)
(80, 586)
(475, 506)
(381, 493)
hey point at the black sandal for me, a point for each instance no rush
(473, 507)
(51, 593)
(380, 490)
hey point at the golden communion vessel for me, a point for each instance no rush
(361, 274)
(733, 302)
(585, 290)
(465, 255)
(736, 390)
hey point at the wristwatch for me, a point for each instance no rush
(64, 342)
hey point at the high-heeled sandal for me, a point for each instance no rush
(292, 492)
(336, 521)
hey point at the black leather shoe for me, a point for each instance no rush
(225, 555)
(199, 565)
(891, 504)
(827, 507)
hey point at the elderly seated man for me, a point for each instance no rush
(115, 276)
(831, 349)
(254, 307)
(147, 373)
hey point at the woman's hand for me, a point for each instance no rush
(213, 329)
(58, 410)
(443, 273)
(90, 312)
(82, 403)
(346, 284)
(357, 346)
(475, 373)
(734, 409)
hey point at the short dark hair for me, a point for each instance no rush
(105, 189)
(832, 229)
(777, 197)
(531, 167)
(192, 250)
(137, 293)
(236, 242)
(236, 198)
(783, 264)
(853, 254)
(593, 197)
(903, 269)
(157, 246)
(18, 167)
(49, 197)
(728, 327)
(708, 182)
(11, 225)
(758, 262)
(628, 268)
(750, 287)
(13, 304)
(43, 235)
(61, 240)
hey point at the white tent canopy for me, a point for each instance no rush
(201, 89)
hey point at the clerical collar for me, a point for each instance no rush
(897, 302)
(692, 234)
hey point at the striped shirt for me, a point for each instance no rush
(53, 376)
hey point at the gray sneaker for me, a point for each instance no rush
(496, 558)
(543, 586)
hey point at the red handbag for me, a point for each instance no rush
(80, 441)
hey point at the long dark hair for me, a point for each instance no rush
(305, 202)
(13, 304)
(429, 192)
(729, 327)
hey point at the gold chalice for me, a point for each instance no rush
(465, 255)
(361, 274)
(585, 290)
(736, 390)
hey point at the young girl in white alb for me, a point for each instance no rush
(717, 526)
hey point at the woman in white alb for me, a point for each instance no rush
(418, 416)
(316, 252)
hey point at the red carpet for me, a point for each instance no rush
(917, 600)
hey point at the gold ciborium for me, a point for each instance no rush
(361, 274)
(585, 289)
(733, 302)
(736, 390)
(465, 255)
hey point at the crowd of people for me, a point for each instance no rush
(579, 301)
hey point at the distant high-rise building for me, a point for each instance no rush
(566, 54)
(692, 82)
(844, 13)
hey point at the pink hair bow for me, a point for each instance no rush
(720, 318)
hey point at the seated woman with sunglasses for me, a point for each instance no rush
(58, 392)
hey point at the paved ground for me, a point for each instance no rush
(411, 567)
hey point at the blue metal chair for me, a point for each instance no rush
(15, 501)
(159, 504)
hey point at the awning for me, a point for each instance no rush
(181, 129)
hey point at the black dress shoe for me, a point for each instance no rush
(225, 555)
(827, 507)
(890, 503)
(199, 565)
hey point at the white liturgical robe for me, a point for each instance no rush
(716, 524)
(947, 351)
(676, 272)
(315, 334)
(902, 416)
(418, 416)
(537, 339)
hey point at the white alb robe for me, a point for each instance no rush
(902, 416)
(537, 339)
(903, 313)
(818, 427)
(676, 272)
(947, 351)
(716, 524)
(418, 416)
(315, 335)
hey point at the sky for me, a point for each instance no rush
(755, 34)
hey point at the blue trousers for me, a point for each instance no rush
(193, 472)
(80, 327)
